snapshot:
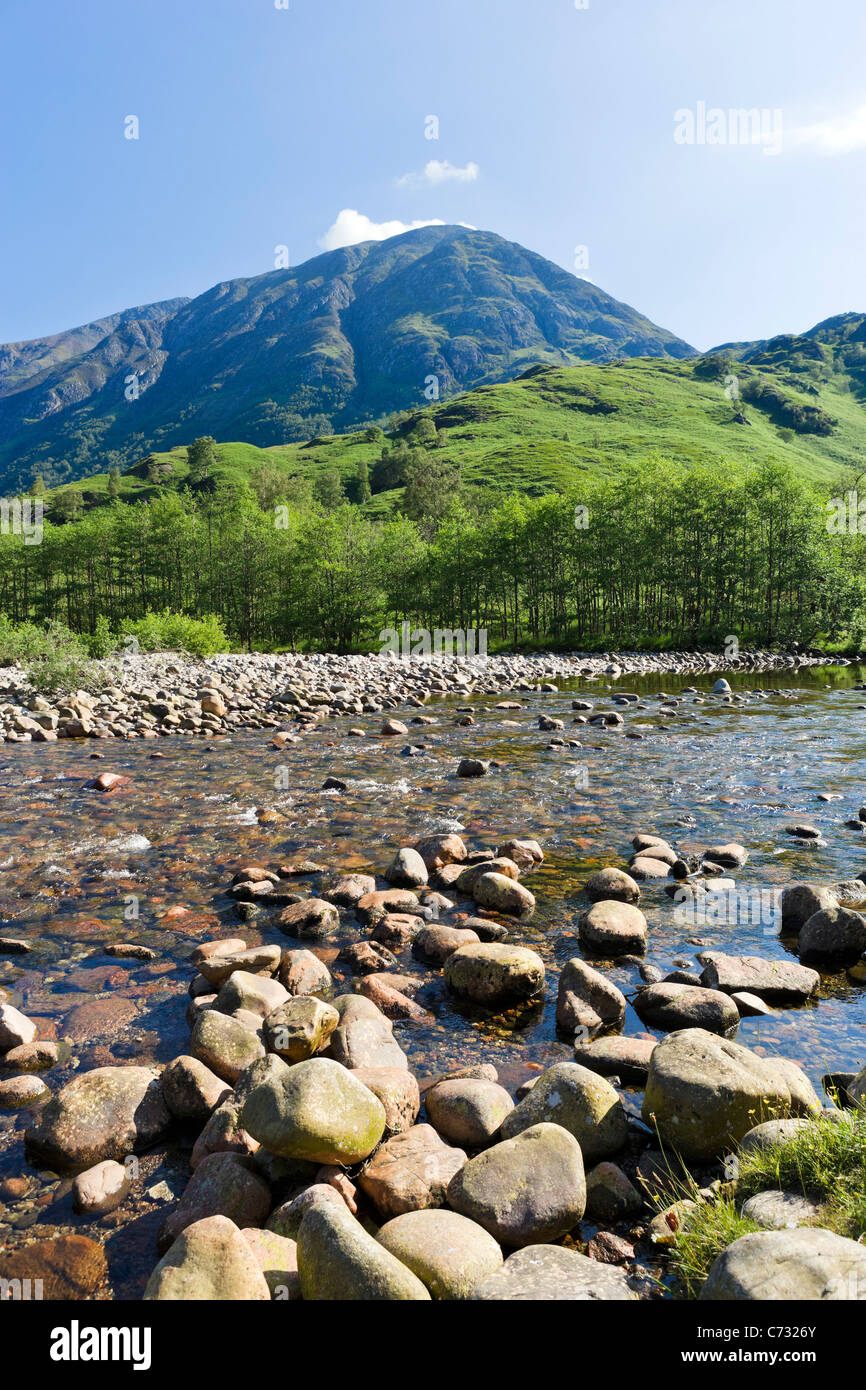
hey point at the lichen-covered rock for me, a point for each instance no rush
(109, 1112)
(491, 972)
(449, 1254)
(299, 1028)
(498, 893)
(257, 960)
(627, 1058)
(315, 1110)
(226, 1046)
(277, 1258)
(339, 1262)
(788, 1265)
(209, 1262)
(580, 1101)
(524, 1190)
(313, 919)
(704, 1093)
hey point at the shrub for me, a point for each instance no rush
(167, 631)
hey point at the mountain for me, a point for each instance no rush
(552, 426)
(348, 337)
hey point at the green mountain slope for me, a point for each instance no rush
(553, 425)
(350, 336)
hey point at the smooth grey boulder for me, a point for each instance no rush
(549, 1273)
(670, 1006)
(809, 1264)
(209, 1262)
(704, 1093)
(524, 1190)
(314, 1110)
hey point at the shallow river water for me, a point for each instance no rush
(75, 866)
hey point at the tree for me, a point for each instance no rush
(114, 483)
(201, 457)
(66, 504)
(37, 487)
(328, 489)
(362, 477)
(432, 485)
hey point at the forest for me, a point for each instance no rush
(659, 556)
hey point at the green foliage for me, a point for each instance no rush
(201, 458)
(824, 1161)
(167, 631)
(784, 409)
(671, 556)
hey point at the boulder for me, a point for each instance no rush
(15, 1028)
(586, 999)
(191, 1090)
(498, 893)
(579, 1101)
(800, 901)
(834, 933)
(437, 850)
(611, 928)
(627, 1058)
(101, 1188)
(436, 943)
(610, 1197)
(338, 1261)
(209, 1262)
(406, 870)
(223, 1184)
(301, 972)
(256, 994)
(277, 1258)
(611, 884)
(813, 1265)
(316, 1110)
(109, 1112)
(467, 1111)
(704, 1093)
(411, 1171)
(492, 973)
(670, 1006)
(398, 1091)
(775, 981)
(313, 919)
(220, 966)
(226, 1046)
(524, 1190)
(449, 1254)
(549, 1273)
(299, 1028)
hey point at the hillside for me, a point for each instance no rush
(348, 337)
(553, 425)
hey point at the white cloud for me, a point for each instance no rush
(352, 227)
(437, 171)
(840, 135)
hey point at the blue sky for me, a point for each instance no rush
(259, 126)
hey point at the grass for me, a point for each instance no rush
(555, 425)
(825, 1161)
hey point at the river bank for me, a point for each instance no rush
(145, 696)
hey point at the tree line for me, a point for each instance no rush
(655, 556)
